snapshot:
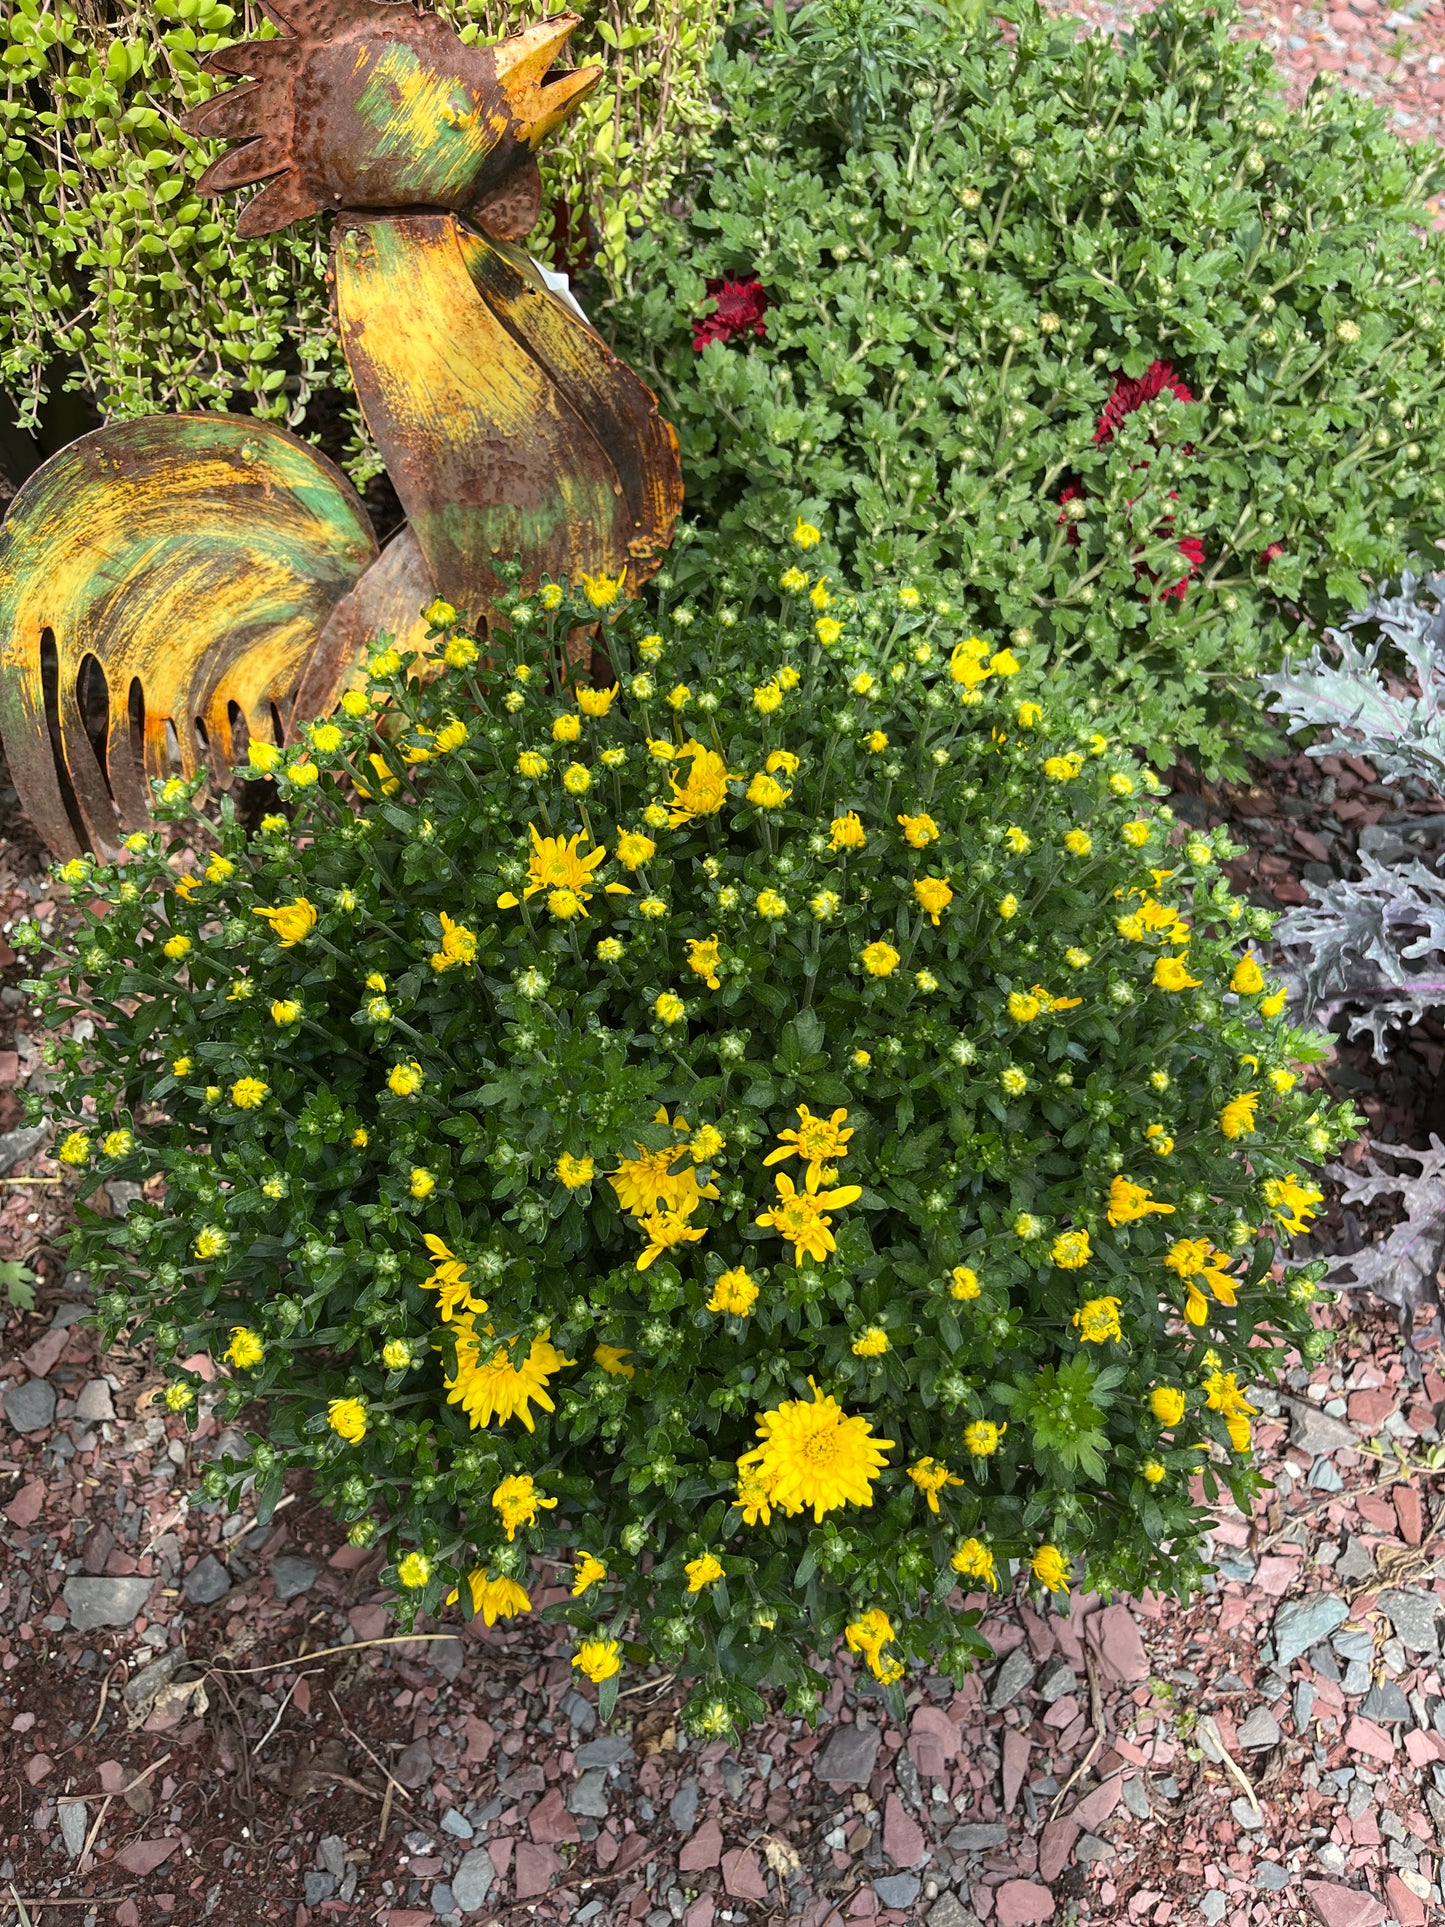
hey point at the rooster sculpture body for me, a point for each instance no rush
(173, 586)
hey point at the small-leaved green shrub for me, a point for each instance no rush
(118, 279)
(979, 250)
(774, 1129)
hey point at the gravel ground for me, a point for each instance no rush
(1274, 1753)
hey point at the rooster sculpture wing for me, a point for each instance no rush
(173, 586)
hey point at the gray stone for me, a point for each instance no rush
(682, 1807)
(331, 1852)
(898, 1889)
(1271, 1877)
(1354, 1645)
(949, 1911)
(292, 1576)
(1324, 1478)
(1304, 1704)
(30, 1406)
(15, 1145)
(1356, 1561)
(1385, 1702)
(446, 1656)
(442, 1899)
(1314, 1431)
(1261, 1729)
(68, 1315)
(1056, 1679)
(1414, 1616)
(1013, 1676)
(1250, 1817)
(732, 1776)
(1136, 1797)
(1089, 1847)
(847, 1759)
(142, 1689)
(74, 1822)
(611, 1750)
(414, 1763)
(105, 1602)
(95, 1402)
(580, 1712)
(589, 1797)
(1302, 1623)
(472, 1881)
(977, 1836)
(456, 1823)
(206, 1582)
(1213, 1906)
(319, 1887)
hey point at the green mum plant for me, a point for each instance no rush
(1154, 361)
(752, 1125)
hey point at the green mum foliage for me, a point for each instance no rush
(116, 272)
(969, 240)
(761, 1111)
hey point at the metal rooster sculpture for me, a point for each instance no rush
(214, 571)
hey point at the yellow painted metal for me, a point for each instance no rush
(195, 559)
(508, 427)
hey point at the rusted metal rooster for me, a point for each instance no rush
(173, 585)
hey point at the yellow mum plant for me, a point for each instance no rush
(732, 1182)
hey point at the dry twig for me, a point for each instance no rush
(1096, 1715)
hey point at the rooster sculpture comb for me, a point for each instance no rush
(174, 586)
(365, 104)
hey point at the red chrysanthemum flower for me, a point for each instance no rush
(738, 309)
(1129, 395)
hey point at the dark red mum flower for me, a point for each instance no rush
(739, 307)
(1129, 395)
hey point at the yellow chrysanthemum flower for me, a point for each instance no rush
(588, 1572)
(982, 1437)
(488, 1385)
(1097, 1321)
(973, 1560)
(705, 1570)
(1166, 1402)
(494, 1598)
(1070, 1250)
(919, 831)
(930, 1477)
(247, 1348)
(846, 832)
(574, 1172)
(518, 1501)
(801, 1217)
(813, 1455)
(1051, 1569)
(702, 957)
(879, 959)
(734, 1292)
(291, 923)
(1129, 1202)
(599, 1659)
(347, 1418)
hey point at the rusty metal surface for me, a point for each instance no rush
(387, 601)
(165, 581)
(195, 559)
(507, 425)
(375, 104)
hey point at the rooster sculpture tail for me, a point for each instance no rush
(173, 586)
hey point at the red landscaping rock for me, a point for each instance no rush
(1363, 1736)
(549, 1821)
(1344, 1906)
(25, 1508)
(1096, 1807)
(142, 1857)
(703, 1850)
(743, 1876)
(1016, 1750)
(1019, 1903)
(534, 1869)
(932, 1741)
(1371, 1409)
(903, 1840)
(1056, 1844)
(1115, 1638)
(1408, 1908)
(1410, 1513)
